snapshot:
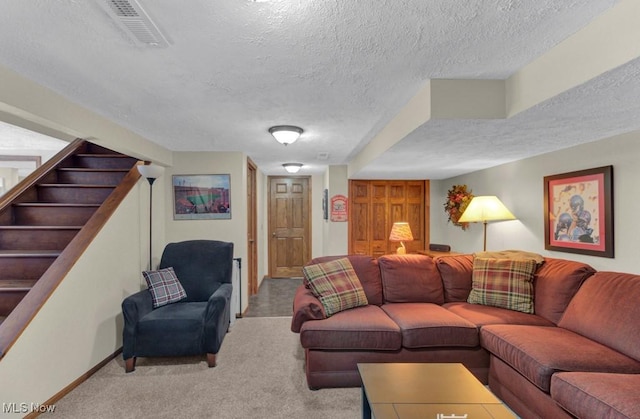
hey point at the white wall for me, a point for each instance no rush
(80, 325)
(519, 186)
(335, 234)
(233, 230)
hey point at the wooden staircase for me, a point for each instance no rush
(40, 219)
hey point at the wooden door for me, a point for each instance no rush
(289, 226)
(377, 204)
(252, 230)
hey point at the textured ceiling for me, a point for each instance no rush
(341, 70)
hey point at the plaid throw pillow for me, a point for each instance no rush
(336, 285)
(504, 283)
(164, 287)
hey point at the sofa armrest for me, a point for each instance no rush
(217, 317)
(219, 301)
(134, 307)
(305, 307)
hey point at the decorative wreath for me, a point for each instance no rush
(457, 200)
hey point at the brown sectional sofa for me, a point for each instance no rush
(578, 355)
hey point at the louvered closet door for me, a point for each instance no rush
(376, 204)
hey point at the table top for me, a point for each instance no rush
(434, 253)
(426, 390)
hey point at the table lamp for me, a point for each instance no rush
(401, 232)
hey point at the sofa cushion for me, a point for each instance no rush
(481, 315)
(537, 352)
(455, 271)
(606, 309)
(426, 325)
(182, 321)
(555, 284)
(164, 286)
(597, 395)
(368, 272)
(362, 328)
(410, 279)
(504, 283)
(336, 285)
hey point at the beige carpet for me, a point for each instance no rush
(260, 374)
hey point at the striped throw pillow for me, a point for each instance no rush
(504, 283)
(164, 287)
(336, 285)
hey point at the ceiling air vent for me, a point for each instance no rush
(132, 18)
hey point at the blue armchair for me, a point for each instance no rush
(192, 326)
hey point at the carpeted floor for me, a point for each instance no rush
(260, 374)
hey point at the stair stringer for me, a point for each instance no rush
(80, 324)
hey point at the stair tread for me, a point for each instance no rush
(109, 155)
(74, 185)
(17, 284)
(53, 204)
(30, 253)
(88, 169)
(38, 227)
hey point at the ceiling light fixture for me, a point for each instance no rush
(285, 134)
(292, 167)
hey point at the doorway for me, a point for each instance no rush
(289, 225)
(252, 229)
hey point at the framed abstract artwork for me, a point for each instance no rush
(578, 212)
(201, 197)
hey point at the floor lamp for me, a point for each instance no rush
(484, 209)
(151, 172)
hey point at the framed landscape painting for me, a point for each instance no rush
(201, 197)
(578, 213)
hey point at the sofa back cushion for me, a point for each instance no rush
(606, 309)
(456, 272)
(368, 273)
(410, 279)
(555, 284)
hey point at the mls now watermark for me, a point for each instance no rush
(28, 408)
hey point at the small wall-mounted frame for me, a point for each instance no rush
(339, 208)
(201, 197)
(325, 204)
(578, 212)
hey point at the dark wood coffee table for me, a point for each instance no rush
(426, 391)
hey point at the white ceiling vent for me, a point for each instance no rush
(133, 19)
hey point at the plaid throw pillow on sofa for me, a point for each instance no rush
(336, 285)
(504, 283)
(164, 287)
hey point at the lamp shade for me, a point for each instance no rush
(400, 232)
(150, 171)
(485, 208)
(285, 134)
(292, 167)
